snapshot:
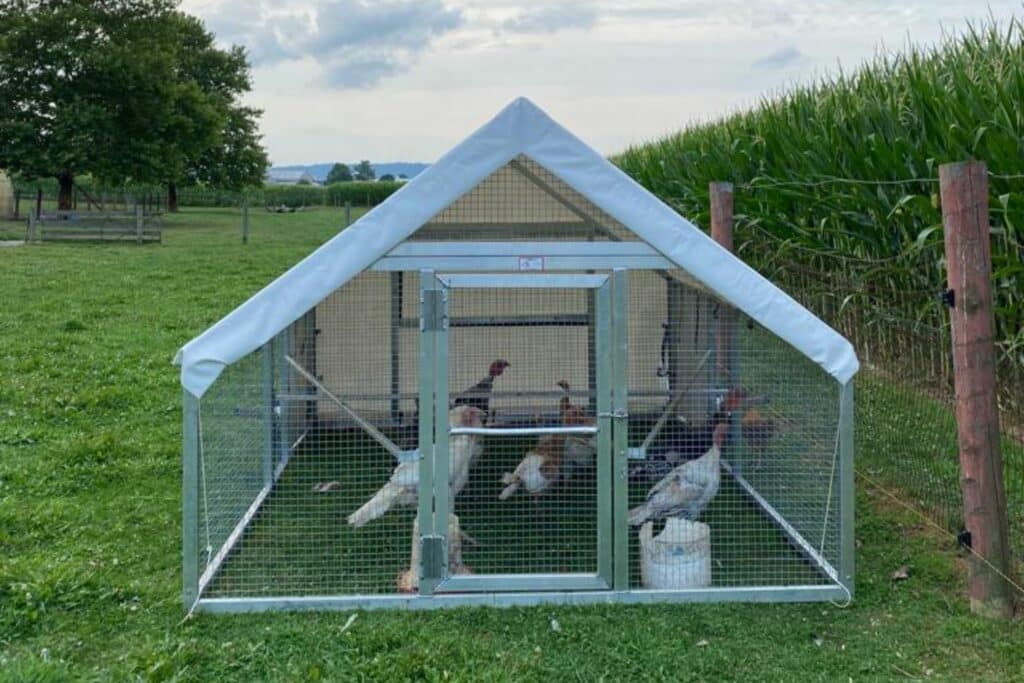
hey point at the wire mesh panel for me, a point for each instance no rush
(337, 518)
(524, 359)
(734, 436)
(523, 201)
(233, 430)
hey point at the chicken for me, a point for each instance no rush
(402, 488)
(479, 395)
(539, 470)
(408, 581)
(679, 441)
(687, 489)
(757, 430)
(579, 450)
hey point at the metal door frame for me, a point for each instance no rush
(435, 431)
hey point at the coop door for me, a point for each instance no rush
(522, 373)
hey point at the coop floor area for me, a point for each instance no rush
(299, 544)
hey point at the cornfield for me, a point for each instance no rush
(837, 200)
(837, 184)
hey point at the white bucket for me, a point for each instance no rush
(678, 557)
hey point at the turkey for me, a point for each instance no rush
(408, 580)
(687, 489)
(539, 470)
(579, 449)
(680, 441)
(402, 488)
(479, 395)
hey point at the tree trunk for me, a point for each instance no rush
(65, 195)
(172, 197)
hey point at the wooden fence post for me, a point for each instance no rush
(138, 223)
(721, 200)
(964, 193)
(245, 221)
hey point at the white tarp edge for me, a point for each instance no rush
(520, 128)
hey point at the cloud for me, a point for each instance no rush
(781, 58)
(551, 19)
(357, 43)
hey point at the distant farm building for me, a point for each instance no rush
(291, 177)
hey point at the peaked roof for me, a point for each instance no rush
(520, 128)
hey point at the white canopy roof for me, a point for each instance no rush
(520, 128)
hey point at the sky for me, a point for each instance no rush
(405, 80)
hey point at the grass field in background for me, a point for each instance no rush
(90, 570)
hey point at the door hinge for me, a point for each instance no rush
(434, 310)
(432, 556)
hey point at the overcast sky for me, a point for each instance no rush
(404, 80)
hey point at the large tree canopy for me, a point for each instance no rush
(127, 90)
(231, 156)
(339, 173)
(364, 171)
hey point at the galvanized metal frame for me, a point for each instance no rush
(512, 280)
(767, 594)
(603, 387)
(611, 582)
(507, 256)
(846, 511)
(601, 579)
(190, 499)
(268, 412)
(620, 427)
(430, 287)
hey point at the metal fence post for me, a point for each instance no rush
(348, 213)
(32, 227)
(721, 199)
(964, 193)
(138, 224)
(245, 221)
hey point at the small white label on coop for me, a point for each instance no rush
(531, 263)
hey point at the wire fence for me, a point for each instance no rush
(905, 411)
(42, 196)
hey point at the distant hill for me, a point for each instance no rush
(320, 171)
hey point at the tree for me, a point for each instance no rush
(364, 171)
(387, 178)
(126, 90)
(236, 160)
(81, 83)
(339, 173)
(226, 152)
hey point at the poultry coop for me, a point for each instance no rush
(521, 379)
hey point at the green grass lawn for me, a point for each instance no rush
(90, 571)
